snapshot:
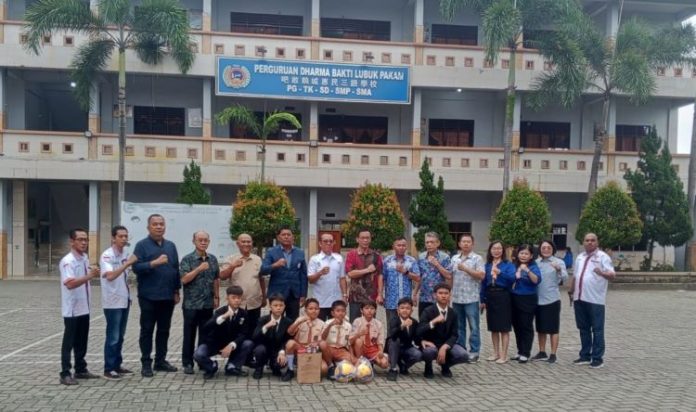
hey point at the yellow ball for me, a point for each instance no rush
(364, 370)
(347, 368)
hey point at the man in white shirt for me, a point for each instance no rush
(589, 292)
(114, 266)
(75, 291)
(327, 276)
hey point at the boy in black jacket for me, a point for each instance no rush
(270, 337)
(226, 333)
(438, 332)
(402, 341)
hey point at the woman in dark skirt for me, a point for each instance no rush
(548, 312)
(495, 299)
(524, 300)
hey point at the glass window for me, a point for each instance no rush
(355, 29)
(545, 135)
(168, 121)
(628, 137)
(286, 131)
(452, 34)
(451, 132)
(353, 129)
(266, 24)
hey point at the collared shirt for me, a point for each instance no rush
(398, 285)
(589, 286)
(524, 285)
(548, 289)
(309, 332)
(199, 293)
(74, 302)
(327, 289)
(430, 276)
(114, 293)
(221, 319)
(466, 289)
(363, 289)
(161, 282)
(375, 330)
(338, 334)
(247, 277)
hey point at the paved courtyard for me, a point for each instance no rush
(650, 365)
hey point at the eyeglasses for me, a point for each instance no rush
(327, 241)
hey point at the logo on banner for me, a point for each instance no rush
(236, 76)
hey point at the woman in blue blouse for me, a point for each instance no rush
(524, 300)
(495, 299)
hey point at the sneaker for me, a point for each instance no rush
(541, 356)
(596, 364)
(85, 375)
(428, 373)
(552, 358)
(234, 371)
(446, 372)
(581, 361)
(522, 359)
(473, 358)
(112, 375)
(392, 374)
(516, 357)
(165, 366)
(124, 371)
(188, 369)
(68, 380)
(258, 373)
(146, 372)
(289, 374)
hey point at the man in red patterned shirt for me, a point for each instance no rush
(364, 269)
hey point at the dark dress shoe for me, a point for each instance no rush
(446, 372)
(287, 376)
(68, 380)
(236, 372)
(165, 366)
(85, 375)
(188, 369)
(258, 373)
(429, 372)
(123, 371)
(146, 372)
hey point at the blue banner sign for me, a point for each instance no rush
(283, 79)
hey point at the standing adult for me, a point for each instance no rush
(326, 273)
(200, 274)
(364, 269)
(157, 271)
(244, 270)
(568, 258)
(524, 300)
(288, 269)
(495, 299)
(589, 291)
(468, 271)
(548, 312)
(115, 265)
(401, 276)
(75, 274)
(435, 268)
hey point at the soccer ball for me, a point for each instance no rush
(345, 372)
(364, 372)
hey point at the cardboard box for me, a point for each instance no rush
(309, 367)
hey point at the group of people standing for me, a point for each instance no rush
(339, 319)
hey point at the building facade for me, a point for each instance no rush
(58, 163)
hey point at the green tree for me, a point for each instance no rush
(659, 195)
(191, 190)
(270, 123)
(523, 216)
(153, 29)
(260, 209)
(427, 210)
(375, 207)
(502, 23)
(613, 216)
(585, 61)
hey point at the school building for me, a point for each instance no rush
(379, 87)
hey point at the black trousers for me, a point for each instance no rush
(75, 337)
(325, 314)
(523, 309)
(292, 308)
(253, 316)
(154, 313)
(194, 319)
(422, 306)
(266, 356)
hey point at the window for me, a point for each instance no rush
(167, 121)
(628, 137)
(355, 29)
(456, 229)
(453, 34)
(286, 131)
(451, 132)
(266, 24)
(545, 135)
(532, 38)
(559, 235)
(353, 129)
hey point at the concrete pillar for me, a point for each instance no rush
(4, 215)
(313, 134)
(94, 121)
(19, 229)
(672, 128)
(316, 19)
(3, 17)
(612, 19)
(610, 141)
(93, 227)
(105, 214)
(207, 155)
(94, 6)
(312, 247)
(516, 120)
(207, 26)
(3, 113)
(418, 33)
(416, 132)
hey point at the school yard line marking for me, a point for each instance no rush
(9, 311)
(11, 354)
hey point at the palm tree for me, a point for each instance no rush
(270, 123)
(152, 29)
(502, 22)
(585, 61)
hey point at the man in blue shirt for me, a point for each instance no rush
(400, 272)
(157, 271)
(288, 270)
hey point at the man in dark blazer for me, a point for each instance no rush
(226, 333)
(286, 265)
(270, 337)
(438, 332)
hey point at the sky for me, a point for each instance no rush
(686, 115)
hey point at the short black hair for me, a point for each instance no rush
(283, 227)
(73, 232)
(276, 297)
(338, 303)
(550, 242)
(399, 238)
(463, 235)
(442, 286)
(235, 290)
(528, 247)
(363, 229)
(152, 216)
(310, 300)
(115, 229)
(368, 303)
(404, 301)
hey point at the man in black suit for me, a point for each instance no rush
(226, 333)
(401, 341)
(438, 332)
(270, 337)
